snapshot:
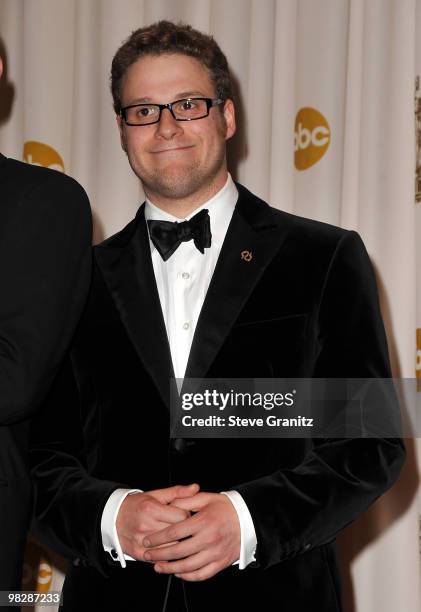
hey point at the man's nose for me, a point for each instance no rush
(167, 125)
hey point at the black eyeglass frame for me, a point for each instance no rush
(210, 102)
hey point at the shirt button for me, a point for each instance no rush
(185, 275)
(186, 325)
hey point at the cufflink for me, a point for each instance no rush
(181, 445)
(113, 553)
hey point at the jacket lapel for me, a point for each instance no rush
(126, 264)
(252, 240)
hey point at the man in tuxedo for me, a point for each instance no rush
(174, 295)
(45, 264)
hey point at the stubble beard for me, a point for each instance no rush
(183, 182)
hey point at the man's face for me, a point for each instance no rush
(175, 159)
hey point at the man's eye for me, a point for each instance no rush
(145, 111)
(187, 105)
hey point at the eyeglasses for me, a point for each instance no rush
(187, 109)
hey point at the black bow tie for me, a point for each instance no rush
(167, 235)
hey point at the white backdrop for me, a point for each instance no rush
(333, 139)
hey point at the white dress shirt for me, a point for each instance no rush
(182, 283)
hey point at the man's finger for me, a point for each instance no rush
(180, 550)
(134, 548)
(167, 495)
(202, 574)
(169, 514)
(194, 503)
(182, 529)
(191, 564)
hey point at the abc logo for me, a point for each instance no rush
(311, 137)
(37, 574)
(45, 576)
(40, 154)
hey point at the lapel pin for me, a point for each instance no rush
(246, 255)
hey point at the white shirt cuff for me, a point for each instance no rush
(110, 540)
(248, 533)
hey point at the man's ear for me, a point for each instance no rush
(229, 116)
(1, 67)
(122, 133)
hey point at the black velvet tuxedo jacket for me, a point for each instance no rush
(305, 305)
(45, 262)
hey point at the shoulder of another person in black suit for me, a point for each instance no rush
(25, 183)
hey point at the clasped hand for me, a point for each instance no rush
(158, 527)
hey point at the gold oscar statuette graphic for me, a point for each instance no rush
(417, 140)
(418, 362)
(311, 137)
(419, 534)
(41, 154)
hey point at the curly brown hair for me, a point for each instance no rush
(167, 37)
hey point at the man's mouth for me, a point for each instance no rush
(172, 149)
